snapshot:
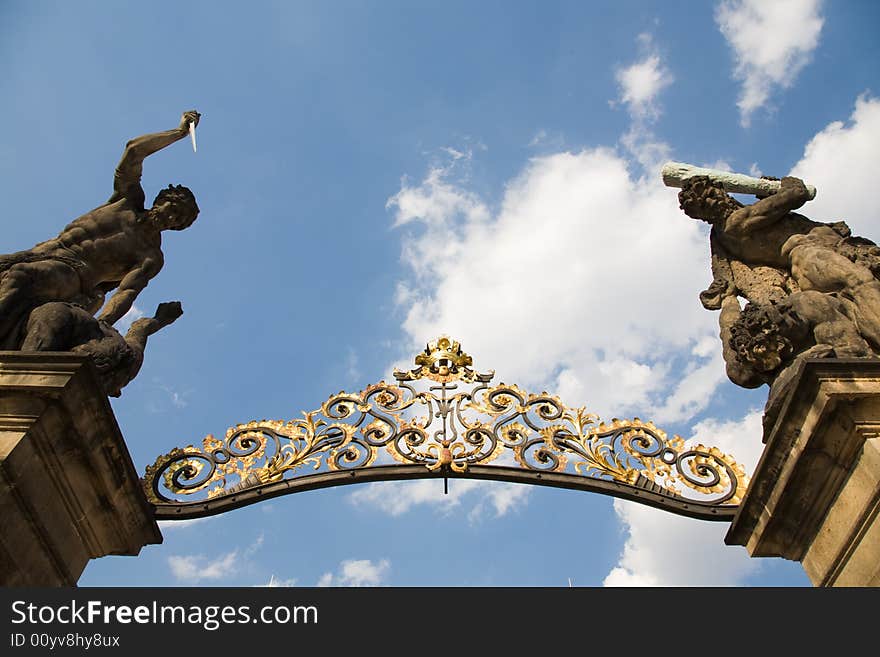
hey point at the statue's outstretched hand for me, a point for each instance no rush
(189, 117)
(168, 312)
(713, 297)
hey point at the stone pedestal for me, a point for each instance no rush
(815, 494)
(68, 489)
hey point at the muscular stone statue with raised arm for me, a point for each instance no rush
(765, 251)
(812, 289)
(116, 246)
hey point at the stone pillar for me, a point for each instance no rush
(815, 494)
(69, 491)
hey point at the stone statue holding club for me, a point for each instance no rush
(811, 289)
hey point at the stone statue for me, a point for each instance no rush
(114, 248)
(59, 326)
(811, 289)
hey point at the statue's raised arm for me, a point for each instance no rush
(127, 178)
(764, 213)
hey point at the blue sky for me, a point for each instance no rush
(373, 174)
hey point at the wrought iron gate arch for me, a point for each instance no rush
(469, 424)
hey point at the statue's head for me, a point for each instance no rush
(701, 198)
(175, 208)
(759, 338)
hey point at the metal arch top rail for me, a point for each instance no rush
(247, 496)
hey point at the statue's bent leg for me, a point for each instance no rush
(30, 284)
(49, 328)
(819, 268)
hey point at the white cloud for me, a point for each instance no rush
(278, 583)
(500, 498)
(650, 152)
(584, 282)
(741, 439)
(178, 399)
(721, 165)
(841, 161)
(771, 42)
(545, 142)
(196, 568)
(668, 550)
(437, 199)
(357, 572)
(639, 87)
(171, 525)
(397, 497)
(641, 83)
(689, 395)
(124, 323)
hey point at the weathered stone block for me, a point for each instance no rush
(69, 491)
(815, 494)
